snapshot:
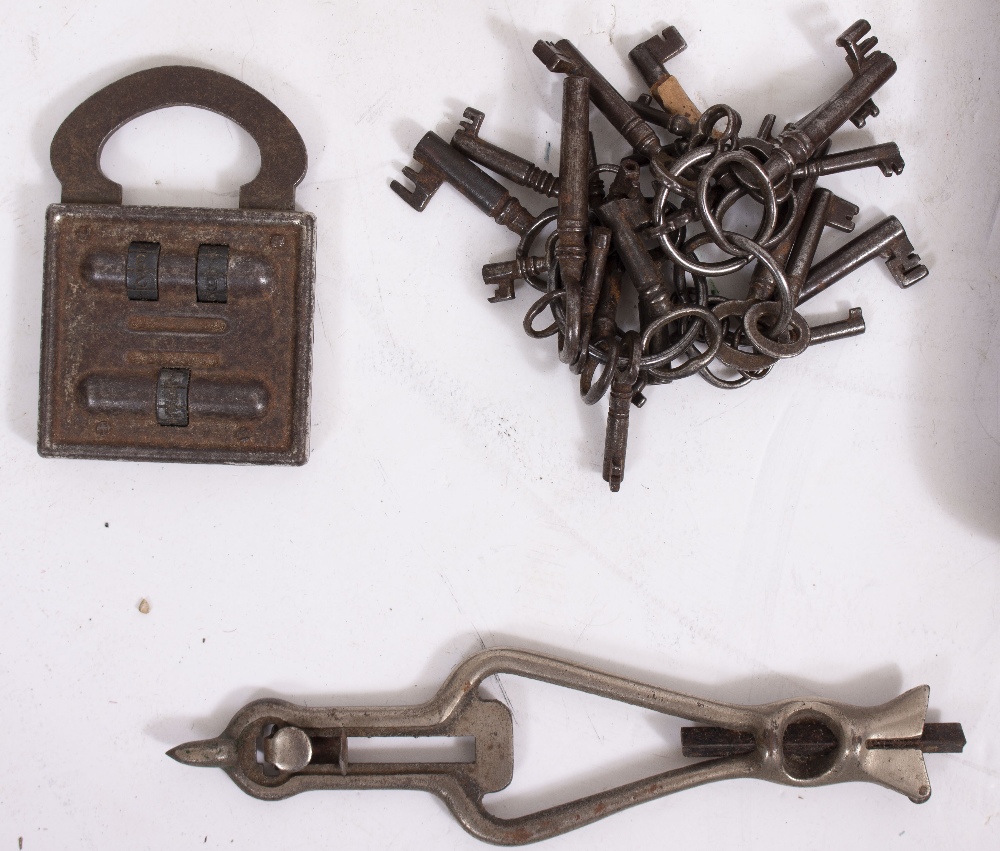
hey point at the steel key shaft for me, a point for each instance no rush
(442, 163)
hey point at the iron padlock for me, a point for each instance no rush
(174, 333)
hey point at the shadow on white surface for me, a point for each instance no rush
(568, 744)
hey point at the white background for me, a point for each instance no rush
(833, 530)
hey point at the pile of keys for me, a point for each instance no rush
(605, 236)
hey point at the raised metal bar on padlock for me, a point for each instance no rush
(171, 395)
(887, 157)
(207, 276)
(871, 70)
(443, 164)
(500, 161)
(147, 309)
(650, 57)
(887, 240)
(273, 749)
(563, 57)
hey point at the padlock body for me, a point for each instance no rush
(194, 346)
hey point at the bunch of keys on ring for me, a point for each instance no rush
(607, 236)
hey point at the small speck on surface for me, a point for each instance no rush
(106, 525)
(144, 606)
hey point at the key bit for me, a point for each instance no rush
(857, 50)
(887, 157)
(273, 749)
(853, 326)
(516, 169)
(857, 59)
(650, 57)
(442, 163)
(887, 240)
(503, 275)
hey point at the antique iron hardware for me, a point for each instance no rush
(174, 333)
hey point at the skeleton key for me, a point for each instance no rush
(871, 70)
(503, 275)
(887, 240)
(619, 403)
(441, 163)
(622, 216)
(516, 169)
(650, 58)
(597, 262)
(563, 57)
(825, 209)
(762, 282)
(886, 157)
(574, 173)
(853, 326)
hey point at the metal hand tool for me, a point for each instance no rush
(273, 749)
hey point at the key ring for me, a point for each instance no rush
(714, 339)
(712, 224)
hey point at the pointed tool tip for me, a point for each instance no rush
(217, 753)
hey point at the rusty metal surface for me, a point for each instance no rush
(273, 749)
(77, 145)
(249, 358)
(177, 334)
(697, 179)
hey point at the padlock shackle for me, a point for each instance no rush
(77, 145)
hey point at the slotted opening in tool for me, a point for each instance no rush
(425, 749)
(569, 744)
(266, 732)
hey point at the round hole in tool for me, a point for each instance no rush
(809, 748)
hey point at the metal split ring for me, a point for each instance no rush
(795, 346)
(712, 224)
(592, 392)
(528, 239)
(713, 332)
